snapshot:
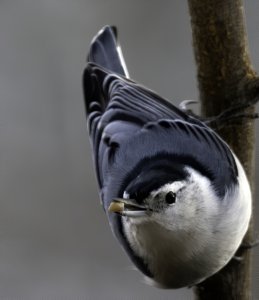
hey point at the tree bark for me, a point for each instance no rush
(226, 78)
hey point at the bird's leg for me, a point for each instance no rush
(237, 258)
(246, 246)
(250, 245)
(233, 113)
(221, 120)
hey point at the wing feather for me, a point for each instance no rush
(119, 110)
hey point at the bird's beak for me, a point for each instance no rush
(127, 207)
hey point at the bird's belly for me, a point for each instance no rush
(174, 261)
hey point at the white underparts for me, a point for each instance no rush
(195, 238)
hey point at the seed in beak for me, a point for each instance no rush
(116, 206)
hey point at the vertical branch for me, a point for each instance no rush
(226, 78)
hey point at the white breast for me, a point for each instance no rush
(174, 260)
(188, 255)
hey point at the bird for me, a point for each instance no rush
(176, 196)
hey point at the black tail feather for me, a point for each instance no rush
(105, 51)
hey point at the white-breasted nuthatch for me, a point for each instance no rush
(176, 196)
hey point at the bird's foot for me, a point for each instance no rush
(220, 120)
(233, 113)
(217, 122)
(250, 245)
(246, 246)
(237, 258)
(183, 105)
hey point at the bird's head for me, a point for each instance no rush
(180, 224)
(177, 201)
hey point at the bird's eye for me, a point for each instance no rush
(170, 198)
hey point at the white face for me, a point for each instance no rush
(183, 205)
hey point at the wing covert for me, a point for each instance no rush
(119, 111)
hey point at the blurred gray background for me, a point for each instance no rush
(55, 242)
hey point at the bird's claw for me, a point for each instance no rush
(183, 105)
(238, 258)
(250, 245)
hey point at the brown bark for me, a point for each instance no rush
(226, 78)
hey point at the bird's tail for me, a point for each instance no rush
(105, 51)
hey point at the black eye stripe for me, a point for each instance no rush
(170, 198)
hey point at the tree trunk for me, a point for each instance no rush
(226, 78)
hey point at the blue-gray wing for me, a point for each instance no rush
(129, 123)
